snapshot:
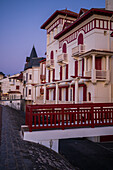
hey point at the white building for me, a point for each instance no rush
(79, 56)
(31, 77)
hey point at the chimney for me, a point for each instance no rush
(109, 5)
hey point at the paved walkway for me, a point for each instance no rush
(16, 154)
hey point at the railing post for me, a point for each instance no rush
(30, 122)
(92, 117)
(62, 118)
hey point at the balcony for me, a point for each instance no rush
(62, 58)
(50, 63)
(98, 74)
(80, 49)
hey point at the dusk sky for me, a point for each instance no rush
(20, 22)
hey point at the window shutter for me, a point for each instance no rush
(76, 68)
(49, 76)
(66, 71)
(53, 74)
(54, 94)
(60, 72)
(47, 94)
(82, 67)
(67, 94)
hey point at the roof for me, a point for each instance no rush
(1, 73)
(83, 18)
(64, 12)
(17, 92)
(33, 53)
(82, 11)
(43, 60)
(34, 60)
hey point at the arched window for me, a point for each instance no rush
(80, 39)
(52, 55)
(64, 49)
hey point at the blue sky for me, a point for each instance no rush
(20, 22)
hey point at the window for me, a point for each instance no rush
(29, 91)
(30, 77)
(26, 77)
(17, 87)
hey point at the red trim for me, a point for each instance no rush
(47, 94)
(49, 76)
(51, 87)
(76, 68)
(67, 94)
(80, 39)
(54, 15)
(83, 67)
(53, 74)
(66, 71)
(83, 18)
(54, 94)
(43, 60)
(84, 93)
(60, 72)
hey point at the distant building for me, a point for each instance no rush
(11, 90)
(2, 75)
(31, 77)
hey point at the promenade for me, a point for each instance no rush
(16, 154)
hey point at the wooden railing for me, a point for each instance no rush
(63, 116)
(78, 50)
(62, 58)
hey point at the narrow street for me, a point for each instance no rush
(16, 154)
(87, 155)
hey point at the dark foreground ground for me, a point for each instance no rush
(87, 155)
(16, 154)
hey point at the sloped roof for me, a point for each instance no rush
(83, 18)
(33, 53)
(34, 60)
(59, 12)
(1, 73)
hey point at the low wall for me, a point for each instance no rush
(50, 138)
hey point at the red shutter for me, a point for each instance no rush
(66, 71)
(74, 93)
(67, 94)
(98, 63)
(84, 93)
(82, 67)
(54, 94)
(47, 94)
(76, 68)
(53, 74)
(80, 39)
(49, 76)
(60, 72)
(60, 93)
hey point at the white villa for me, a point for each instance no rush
(79, 62)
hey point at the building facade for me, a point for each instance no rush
(79, 63)
(31, 77)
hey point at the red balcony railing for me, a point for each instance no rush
(69, 116)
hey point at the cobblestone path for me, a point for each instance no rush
(16, 154)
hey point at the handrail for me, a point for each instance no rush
(70, 115)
